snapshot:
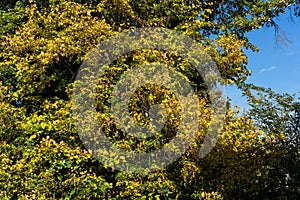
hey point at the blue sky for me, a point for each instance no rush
(276, 67)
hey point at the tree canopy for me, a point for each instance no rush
(43, 44)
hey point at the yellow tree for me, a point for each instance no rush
(41, 51)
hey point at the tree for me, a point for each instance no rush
(43, 43)
(278, 116)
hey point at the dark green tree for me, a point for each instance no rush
(278, 116)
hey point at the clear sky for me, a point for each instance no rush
(276, 67)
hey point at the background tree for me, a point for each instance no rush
(278, 116)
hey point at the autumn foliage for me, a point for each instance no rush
(42, 45)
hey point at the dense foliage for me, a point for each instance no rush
(43, 44)
(278, 116)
